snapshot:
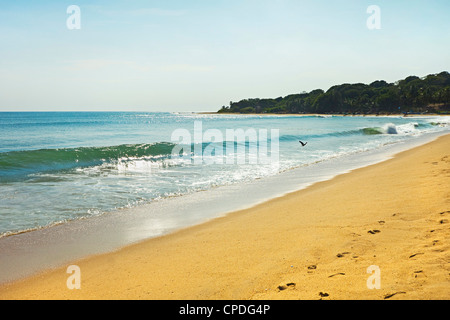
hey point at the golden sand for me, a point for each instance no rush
(316, 243)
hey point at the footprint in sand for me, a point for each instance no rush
(291, 284)
(442, 214)
(340, 255)
(419, 274)
(337, 274)
(288, 285)
(373, 231)
(393, 294)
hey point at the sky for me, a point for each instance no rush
(198, 55)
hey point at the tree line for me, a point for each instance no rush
(430, 94)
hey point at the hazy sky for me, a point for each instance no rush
(197, 55)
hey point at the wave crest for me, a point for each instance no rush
(16, 164)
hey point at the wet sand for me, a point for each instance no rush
(317, 243)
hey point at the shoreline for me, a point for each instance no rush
(217, 232)
(28, 253)
(326, 114)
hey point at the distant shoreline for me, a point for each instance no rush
(326, 114)
(412, 95)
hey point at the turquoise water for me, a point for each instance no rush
(56, 167)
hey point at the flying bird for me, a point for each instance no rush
(303, 143)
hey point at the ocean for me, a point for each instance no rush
(57, 167)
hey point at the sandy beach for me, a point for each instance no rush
(317, 243)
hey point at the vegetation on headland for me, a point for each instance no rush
(430, 94)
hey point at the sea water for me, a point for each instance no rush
(57, 167)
